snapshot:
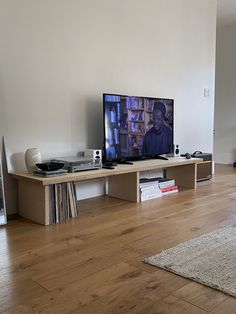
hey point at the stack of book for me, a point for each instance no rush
(167, 186)
(149, 189)
(156, 187)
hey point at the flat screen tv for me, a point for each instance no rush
(137, 127)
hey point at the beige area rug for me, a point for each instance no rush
(209, 259)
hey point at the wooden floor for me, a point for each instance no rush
(94, 264)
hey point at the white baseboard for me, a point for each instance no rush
(88, 189)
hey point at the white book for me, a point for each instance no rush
(144, 193)
(145, 184)
(153, 187)
(145, 197)
(166, 184)
(148, 193)
(150, 190)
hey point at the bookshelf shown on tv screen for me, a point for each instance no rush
(137, 127)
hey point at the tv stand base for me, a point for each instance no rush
(123, 183)
(159, 157)
(124, 162)
(154, 157)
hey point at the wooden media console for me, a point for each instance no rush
(123, 183)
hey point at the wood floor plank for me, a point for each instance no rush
(134, 301)
(172, 305)
(105, 290)
(19, 292)
(65, 273)
(226, 307)
(77, 295)
(201, 296)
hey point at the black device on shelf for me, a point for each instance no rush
(204, 156)
(137, 127)
(110, 163)
(50, 166)
(108, 167)
(186, 155)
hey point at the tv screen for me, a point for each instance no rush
(137, 127)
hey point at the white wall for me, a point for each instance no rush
(225, 100)
(59, 56)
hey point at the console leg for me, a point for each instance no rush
(185, 176)
(34, 201)
(124, 186)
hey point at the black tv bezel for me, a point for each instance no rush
(132, 158)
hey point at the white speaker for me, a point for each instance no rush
(176, 150)
(95, 154)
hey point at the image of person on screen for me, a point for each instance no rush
(158, 140)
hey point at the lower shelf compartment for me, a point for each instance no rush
(62, 202)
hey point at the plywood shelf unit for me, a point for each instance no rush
(123, 183)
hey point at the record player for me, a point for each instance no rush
(75, 163)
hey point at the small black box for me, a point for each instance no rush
(204, 156)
